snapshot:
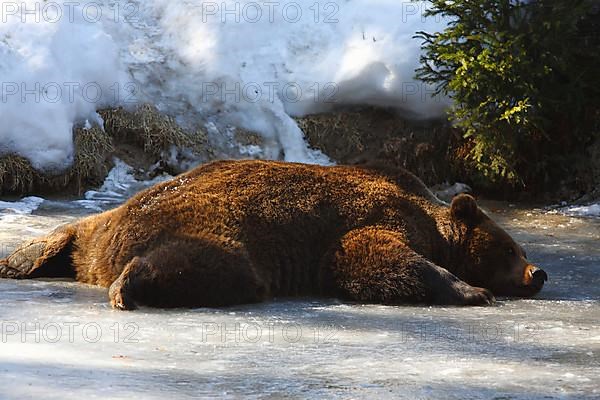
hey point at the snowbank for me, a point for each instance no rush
(55, 71)
(244, 63)
(591, 210)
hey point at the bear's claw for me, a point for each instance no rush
(479, 297)
(119, 299)
(6, 271)
(22, 262)
(467, 295)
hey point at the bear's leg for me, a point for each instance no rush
(375, 265)
(209, 272)
(48, 256)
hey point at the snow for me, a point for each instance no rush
(119, 184)
(591, 210)
(55, 73)
(446, 192)
(24, 206)
(242, 63)
(10, 210)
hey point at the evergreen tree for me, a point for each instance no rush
(524, 77)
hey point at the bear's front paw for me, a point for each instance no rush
(476, 296)
(463, 294)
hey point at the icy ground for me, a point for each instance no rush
(61, 340)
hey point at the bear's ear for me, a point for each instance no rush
(464, 208)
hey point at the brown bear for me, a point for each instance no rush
(233, 232)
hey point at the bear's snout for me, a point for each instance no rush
(535, 277)
(538, 277)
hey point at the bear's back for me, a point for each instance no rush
(285, 215)
(225, 194)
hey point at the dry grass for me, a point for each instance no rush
(247, 138)
(338, 133)
(145, 126)
(92, 157)
(369, 134)
(151, 135)
(17, 175)
(90, 166)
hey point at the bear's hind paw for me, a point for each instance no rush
(119, 299)
(6, 271)
(22, 262)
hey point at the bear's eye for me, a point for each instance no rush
(511, 251)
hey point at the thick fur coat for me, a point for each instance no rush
(233, 232)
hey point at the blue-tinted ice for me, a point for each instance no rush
(61, 340)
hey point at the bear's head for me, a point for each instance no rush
(490, 257)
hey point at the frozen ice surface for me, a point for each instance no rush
(61, 340)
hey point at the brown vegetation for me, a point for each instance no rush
(141, 137)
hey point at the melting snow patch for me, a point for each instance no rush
(24, 206)
(13, 209)
(592, 210)
(118, 186)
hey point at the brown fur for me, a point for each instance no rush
(233, 232)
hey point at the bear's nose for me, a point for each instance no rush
(538, 276)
